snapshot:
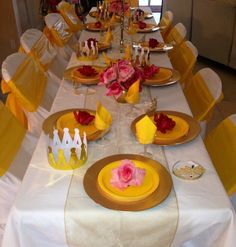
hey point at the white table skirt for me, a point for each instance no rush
(206, 217)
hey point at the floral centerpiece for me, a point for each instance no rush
(116, 7)
(119, 76)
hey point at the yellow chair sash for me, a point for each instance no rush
(28, 85)
(16, 110)
(5, 88)
(12, 134)
(134, 3)
(42, 50)
(183, 60)
(60, 33)
(165, 23)
(221, 145)
(69, 15)
(200, 98)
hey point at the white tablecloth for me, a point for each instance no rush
(206, 217)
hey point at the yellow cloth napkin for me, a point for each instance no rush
(108, 36)
(132, 28)
(12, 134)
(128, 53)
(103, 118)
(132, 96)
(145, 130)
(221, 145)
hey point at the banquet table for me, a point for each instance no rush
(205, 215)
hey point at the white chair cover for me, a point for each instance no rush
(47, 53)
(10, 182)
(54, 19)
(35, 119)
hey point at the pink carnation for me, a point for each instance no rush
(126, 175)
(125, 70)
(109, 75)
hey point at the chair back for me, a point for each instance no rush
(166, 23)
(26, 82)
(36, 44)
(221, 146)
(12, 134)
(184, 59)
(60, 32)
(68, 13)
(176, 37)
(203, 92)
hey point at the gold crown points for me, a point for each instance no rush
(68, 154)
(86, 53)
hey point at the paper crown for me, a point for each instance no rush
(87, 52)
(68, 154)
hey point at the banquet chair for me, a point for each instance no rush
(221, 146)
(60, 35)
(17, 147)
(176, 37)
(68, 13)
(203, 92)
(30, 91)
(166, 23)
(36, 44)
(183, 60)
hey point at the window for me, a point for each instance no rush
(155, 5)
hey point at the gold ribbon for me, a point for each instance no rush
(68, 13)
(221, 145)
(12, 134)
(200, 98)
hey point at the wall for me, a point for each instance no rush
(9, 41)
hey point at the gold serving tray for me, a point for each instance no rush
(50, 124)
(194, 128)
(167, 81)
(92, 189)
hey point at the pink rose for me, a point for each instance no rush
(114, 89)
(126, 175)
(108, 75)
(125, 70)
(137, 75)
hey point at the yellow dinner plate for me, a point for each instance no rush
(163, 74)
(91, 26)
(88, 80)
(181, 129)
(132, 193)
(68, 121)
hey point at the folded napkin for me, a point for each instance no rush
(128, 53)
(108, 36)
(103, 118)
(108, 61)
(132, 96)
(132, 29)
(145, 130)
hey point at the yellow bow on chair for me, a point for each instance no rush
(12, 134)
(27, 87)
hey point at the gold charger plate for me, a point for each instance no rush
(50, 124)
(159, 195)
(164, 82)
(93, 14)
(161, 47)
(73, 74)
(193, 132)
(103, 46)
(149, 28)
(91, 27)
(148, 15)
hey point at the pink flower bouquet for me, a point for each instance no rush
(116, 7)
(127, 174)
(119, 77)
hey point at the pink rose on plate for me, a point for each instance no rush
(125, 70)
(115, 89)
(108, 75)
(127, 174)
